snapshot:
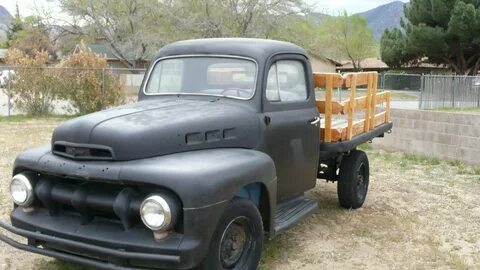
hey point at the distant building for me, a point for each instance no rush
(130, 78)
(113, 61)
(3, 54)
(323, 64)
(376, 64)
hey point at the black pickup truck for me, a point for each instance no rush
(217, 154)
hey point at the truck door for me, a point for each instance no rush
(292, 123)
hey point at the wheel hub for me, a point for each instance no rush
(361, 185)
(234, 242)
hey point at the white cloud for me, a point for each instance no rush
(351, 6)
(28, 7)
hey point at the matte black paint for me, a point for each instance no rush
(153, 128)
(205, 150)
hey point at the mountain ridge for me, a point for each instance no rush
(379, 19)
(5, 23)
(384, 17)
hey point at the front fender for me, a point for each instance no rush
(199, 178)
(204, 180)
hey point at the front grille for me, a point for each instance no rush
(83, 152)
(90, 199)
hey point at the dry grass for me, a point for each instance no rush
(420, 213)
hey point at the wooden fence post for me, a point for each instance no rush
(328, 108)
(351, 110)
(373, 102)
(366, 126)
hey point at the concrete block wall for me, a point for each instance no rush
(444, 135)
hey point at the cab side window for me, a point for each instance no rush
(286, 82)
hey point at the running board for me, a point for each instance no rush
(292, 211)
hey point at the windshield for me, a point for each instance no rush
(216, 76)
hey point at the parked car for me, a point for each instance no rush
(5, 76)
(218, 153)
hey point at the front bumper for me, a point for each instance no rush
(112, 257)
(106, 245)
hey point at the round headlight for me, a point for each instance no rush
(156, 213)
(21, 190)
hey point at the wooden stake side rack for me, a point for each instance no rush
(335, 132)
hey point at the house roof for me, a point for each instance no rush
(103, 50)
(327, 59)
(378, 64)
(369, 63)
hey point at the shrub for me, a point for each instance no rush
(88, 84)
(32, 85)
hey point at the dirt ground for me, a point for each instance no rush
(420, 213)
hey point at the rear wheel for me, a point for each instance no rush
(352, 186)
(238, 238)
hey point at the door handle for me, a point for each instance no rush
(315, 121)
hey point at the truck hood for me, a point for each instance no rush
(158, 127)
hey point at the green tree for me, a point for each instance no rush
(442, 32)
(301, 30)
(135, 29)
(32, 37)
(347, 37)
(16, 26)
(234, 18)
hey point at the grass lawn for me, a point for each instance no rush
(420, 213)
(457, 110)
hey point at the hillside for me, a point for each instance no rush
(384, 17)
(5, 22)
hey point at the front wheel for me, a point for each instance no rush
(353, 180)
(237, 242)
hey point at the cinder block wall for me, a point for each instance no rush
(438, 134)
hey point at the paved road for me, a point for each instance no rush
(405, 104)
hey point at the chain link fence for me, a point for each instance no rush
(453, 92)
(409, 91)
(64, 90)
(405, 89)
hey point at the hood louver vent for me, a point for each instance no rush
(82, 151)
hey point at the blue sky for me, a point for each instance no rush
(333, 7)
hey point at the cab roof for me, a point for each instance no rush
(257, 49)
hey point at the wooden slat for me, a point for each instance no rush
(368, 106)
(360, 104)
(336, 134)
(320, 79)
(341, 130)
(362, 79)
(387, 108)
(358, 127)
(351, 109)
(380, 118)
(339, 133)
(328, 108)
(337, 108)
(382, 97)
(373, 103)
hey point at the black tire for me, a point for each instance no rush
(238, 238)
(352, 186)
